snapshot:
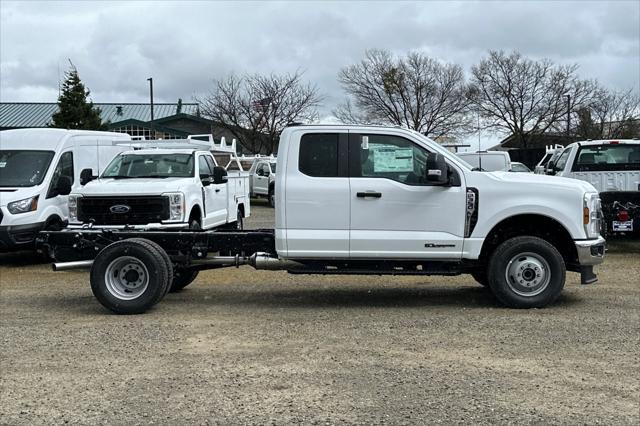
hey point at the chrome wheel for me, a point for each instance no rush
(126, 278)
(528, 274)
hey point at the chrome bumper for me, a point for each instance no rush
(590, 252)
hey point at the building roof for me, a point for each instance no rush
(38, 114)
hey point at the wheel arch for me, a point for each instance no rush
(197, 211)
(535, 225)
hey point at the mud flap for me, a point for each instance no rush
(587, 276)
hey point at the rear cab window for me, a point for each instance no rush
(323, 155)
(608, 157)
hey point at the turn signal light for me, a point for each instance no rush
(585, 216)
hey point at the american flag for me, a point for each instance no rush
(261, 105)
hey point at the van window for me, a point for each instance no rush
(319, 155)
(64, 168)
(23, 167)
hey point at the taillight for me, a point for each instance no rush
(623, 216)
(614, 142)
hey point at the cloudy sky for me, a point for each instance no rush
(116, 46)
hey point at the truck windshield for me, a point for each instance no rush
(150, 166)
(608, 157)
(23, 167)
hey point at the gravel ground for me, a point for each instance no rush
(255, 347)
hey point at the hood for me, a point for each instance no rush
(542, 180)
(8, 195)
(136, 186)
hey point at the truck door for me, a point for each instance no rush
(316, 199)
(214, 213)
(394, 213)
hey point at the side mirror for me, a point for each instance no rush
(86, 176)
(219, 175)
(205, 178)
(63, 186)
(437, 170)
(260, 172)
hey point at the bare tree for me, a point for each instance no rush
(416, 91)
(256, 108)
(523, 97)
(616, 114)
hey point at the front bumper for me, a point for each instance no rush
(19, 237)
(590, 252)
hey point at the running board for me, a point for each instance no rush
(392, 268)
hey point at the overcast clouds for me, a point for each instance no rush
(183, 45)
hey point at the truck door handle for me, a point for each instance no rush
(217, 189)
(371, 194)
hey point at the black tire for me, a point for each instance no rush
(480, 276)
(526, 272)
(182, 278)
(240, 221)
(112, 293)
(164, 256)
(194, 223)
(272, 197)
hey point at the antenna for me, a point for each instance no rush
(479, 146)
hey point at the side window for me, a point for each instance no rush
(210, 162)
(390, 157)
(562, 160)
(319, 155)
(63, 168)
(203, 166)
(266, 169)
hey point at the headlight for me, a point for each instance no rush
(592, 215)
(23, 206)
(73, 207)
(176, 206)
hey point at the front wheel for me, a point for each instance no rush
(526, 272)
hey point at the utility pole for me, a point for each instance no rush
(153, 132)
(568, 114)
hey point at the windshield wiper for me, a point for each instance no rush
(478, 169)
(118, 177)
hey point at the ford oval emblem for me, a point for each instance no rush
(120, 208)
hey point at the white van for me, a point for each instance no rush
(38, 169)
(490, 161)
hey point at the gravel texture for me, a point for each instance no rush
(255, 347)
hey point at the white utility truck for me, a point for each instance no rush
(613, 168)
(173, 184)
(369, 200)
(38, 169)
(263, 179)
(489, 161)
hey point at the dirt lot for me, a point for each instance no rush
(240, 346)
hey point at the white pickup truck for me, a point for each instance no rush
(613, 168)
(369, 200)
(173, 185)
(263, 179)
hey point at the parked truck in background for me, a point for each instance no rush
(613, 168)
(163, 185)
(38, 169)
(369, 200)
(263, 179)
(490, 161)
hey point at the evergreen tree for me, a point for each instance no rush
(74, 110)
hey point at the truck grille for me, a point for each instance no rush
(113, 210)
